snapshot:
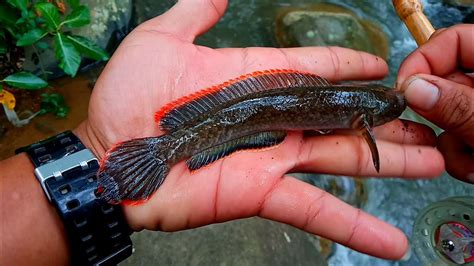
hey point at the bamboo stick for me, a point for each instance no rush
(411, 13)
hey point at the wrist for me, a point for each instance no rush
(66, 169)
(34, 233)
(90, 139)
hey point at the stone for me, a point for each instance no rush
(329, 25)
(144, 10)
(252, 241)
(109, 24)
(469, 18)
(348, 189)
(460, 3)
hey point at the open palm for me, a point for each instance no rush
(158, 63)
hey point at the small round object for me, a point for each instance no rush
(443, 233)
(448, 245)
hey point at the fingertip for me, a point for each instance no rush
(382, 239)
(407, 255)
(436, 33)
(188, 19)
(421, 93)
(436, 163)
(403, 84)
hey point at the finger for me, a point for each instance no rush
(188, 18)
(350, 155)
(447, 104)
(443, 54)
(437, 32)
(315, 211)
(406, 132)
(461, 78)
(333, 63)
(459, 157)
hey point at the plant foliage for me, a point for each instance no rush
(54, 103)
(38, 23)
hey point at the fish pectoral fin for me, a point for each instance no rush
(255, 141)
(361, 124)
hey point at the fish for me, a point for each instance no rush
(253, 111)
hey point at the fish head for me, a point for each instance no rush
(388, 105)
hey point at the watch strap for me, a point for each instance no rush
(97, 231)
(53, 148)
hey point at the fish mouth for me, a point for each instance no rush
(401, 100)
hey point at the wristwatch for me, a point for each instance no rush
(97, 231)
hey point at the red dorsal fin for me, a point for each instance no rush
(175, 114)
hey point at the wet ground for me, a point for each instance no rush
(250, 241)
(76, 93)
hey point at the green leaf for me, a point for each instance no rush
(3, 46)
(21, 21)
(20, 4)
(25, 80)
(54, 103)
(88, 48)
(3, 42)
(74, 3)
(78, 18)
(50, 14)
(8, 15)
(69, 57)
(31, 37)
(42, 45)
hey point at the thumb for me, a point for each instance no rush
(188, 18)
(448, 104)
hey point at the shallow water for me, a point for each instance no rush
(251, 23)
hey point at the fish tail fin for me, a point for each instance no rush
(132, 170)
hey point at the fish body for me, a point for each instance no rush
(253, 111)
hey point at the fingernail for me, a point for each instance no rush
(470, 178)
(421, 94)
(407, 255)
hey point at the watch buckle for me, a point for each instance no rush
(56, 168)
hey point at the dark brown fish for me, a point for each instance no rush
(252, 111)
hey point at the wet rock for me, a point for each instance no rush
(348, 189)
(469, 18)
(329, 25)
(109, 20)
(252, 241)
(460, 3)
(144, 10)
(109, 25)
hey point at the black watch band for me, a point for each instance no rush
(97, 231)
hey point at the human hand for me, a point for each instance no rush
(158, 63)
(437, 87)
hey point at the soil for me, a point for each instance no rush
(76, 93)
